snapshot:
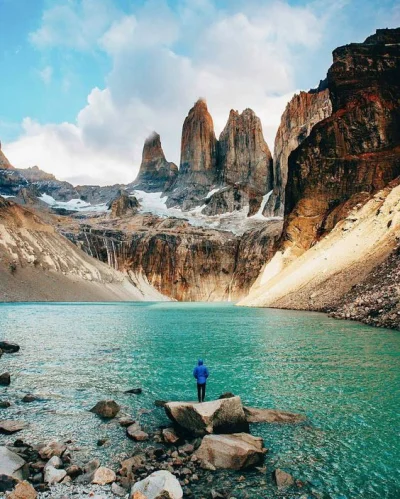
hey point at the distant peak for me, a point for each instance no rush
(153, 137)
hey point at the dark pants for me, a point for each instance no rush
(201, 391)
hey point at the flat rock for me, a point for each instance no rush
(160, 484)
(23, 490)
(136, 433)
(135, 391)
(5, 379)
(51, 449)
(53, 475)
(103, 476)
(8, 347)
(126, 421)
(8, 427)
(235, 452)
(12, 465)
(106, 409)
(282, 479)
(218, 416)
(254, 415)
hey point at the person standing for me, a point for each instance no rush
(201, 374)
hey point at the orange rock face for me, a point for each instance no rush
(304, 111)
(357, 149)
(4, 163)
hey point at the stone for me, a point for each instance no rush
(118, 490)
(5, 379)
(28, 398)
(238, 451)
(282, 479)
(126, 421)
(136, 433)
(74, 470)
(67, 480)
(170, 436)
(226, 395)
(23, 490)
(8, 347)
(55, 462)
(155, 173)
(7, 483)
(92, 466)
(51, 449)
(217, 416)
(103, 476)
(135, 391)
(8, 427)
(12, 465)
(53, 475)
(254, 415)
(101, 442)
(160, 484)
(123, 205)
(106, 409)
(5, 404)
(132, 464)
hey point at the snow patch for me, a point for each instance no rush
(73, 204)
(259, 215)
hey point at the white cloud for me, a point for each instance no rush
(162, 61)
(46, 74)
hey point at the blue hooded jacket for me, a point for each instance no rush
(200, 372)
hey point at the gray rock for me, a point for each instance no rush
(29, 398)
(53, 475)
(55, 461)
(106, 409)
(12, 465)
(5, 404)
(118, 490)
(5, 379)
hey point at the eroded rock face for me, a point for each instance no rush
(217, 416)
(235, 452)
(304, 111)
(198, 167)
(123, 205)
(356, 149)
(156, 173)
(244, 159)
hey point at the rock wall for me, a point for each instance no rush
(4, 163)
(305, 110)
(356, 149)
(156, 173)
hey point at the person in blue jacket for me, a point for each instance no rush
(200, 372)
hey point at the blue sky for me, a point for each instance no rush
(85, 81)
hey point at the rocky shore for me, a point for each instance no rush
(207, 451)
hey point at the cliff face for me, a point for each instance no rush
(181, 261)
(38, 264)
(123, 205)
(304, 111)
(156, 173)
(356, 149)
(198, 167)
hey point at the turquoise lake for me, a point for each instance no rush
(345, 377)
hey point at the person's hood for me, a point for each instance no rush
(200, 362)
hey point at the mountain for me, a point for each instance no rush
(305, 110)
(198, 165)
(342, 192)
(39, 264)
(155, 173)
(4, 163)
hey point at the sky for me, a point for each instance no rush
(84, 82)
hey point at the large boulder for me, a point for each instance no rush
(160, 484)
(254, 415)
(234, 452)
(106, 409)
(12, 465)
(217, 416)
(23, 490)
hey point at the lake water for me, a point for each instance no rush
(344, 376)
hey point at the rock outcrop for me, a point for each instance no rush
(305, 110)
(156, 173)
(356, 149)
(235, 452)
(4, 163)
(216, 416)
(123, 205)
(198, 165)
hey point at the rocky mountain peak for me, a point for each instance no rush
(155, 173)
